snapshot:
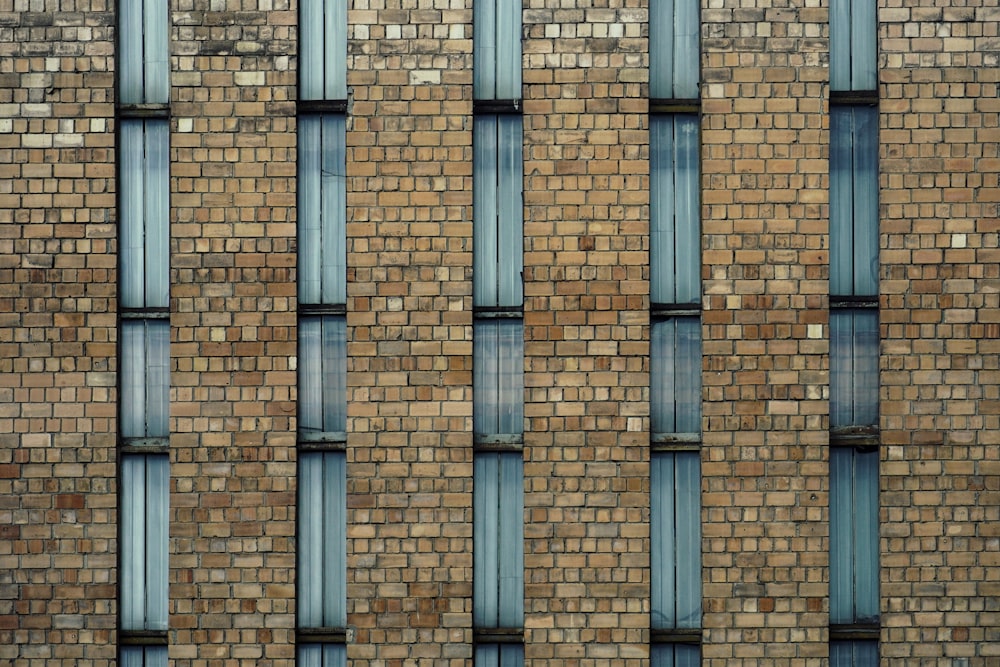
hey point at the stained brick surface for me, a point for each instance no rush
(765, 134)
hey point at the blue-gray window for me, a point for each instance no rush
(496, 50)
(322, 655)
(853, 61)
(854, 341)
(323, 50)
(144, 528)
(498, 564)
(498, 377)
(673, 49)
(675, 229)
(498, 227)
(675, 655)
(854, 653)
(145, 213)
(322, 209)
(499, 655)
(145, 378)
(322, 552)
(675, 537)
(854, 200)
(143, 656)
(854, 581)
(322, 375)
(675, 375)
(143, 53)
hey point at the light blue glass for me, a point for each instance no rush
(675, 220)
(853, 59)
(143, 52)
(498, 376)
(675, 655)
(498, 540)
(145, 379)
(499, 655)
(322, 210)
(675, 538)
(144, 552)
(675, 375)
(322, 374)
(321, 655)
(854, 374)
(854, 557)
(496, 44)
(323, 49)
(854, 201)
(322, 537)
(674, 49)
(854, 653)
(498, 213)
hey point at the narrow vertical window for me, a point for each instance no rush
(854, 335)
(143, 656)
(675, 333)
(143, 113)
(322, 554)
(143, 52)
(854, 201)
(144, 542)
(675, 537)
(498, 599)
(323, 49)
(854, 536)
(853, 61)
(498, 336)
(322, 334)
(322, 209)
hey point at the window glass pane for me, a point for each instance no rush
(323, 374)
(854, 367)
(854, 201)
(321, 655)
(145, 211)
(675, 375)
(854, 654)
(853, 536)
(853, 62)
(675, 227)
(143, 52)
(673, 49)
(496, 50)
(322, 210)
(144, 551)
(143, 656)
(498, 376)
(675, 535)
(498, 535)
(499, 655)
(497, 211)
(323, 49)
(322, 554)
(145, 378)
(675, 655)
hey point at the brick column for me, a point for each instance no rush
(409, 320)
(233, 326)
(765, 331)
(586, 319)
(57, 337)
(940, 324)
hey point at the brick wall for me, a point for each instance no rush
(232, 563)
(765, 332)
(765, 221)
(57, 336)
(586, 336)
(941, 361)
(409, 318)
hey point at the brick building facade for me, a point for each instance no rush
(593, 455)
